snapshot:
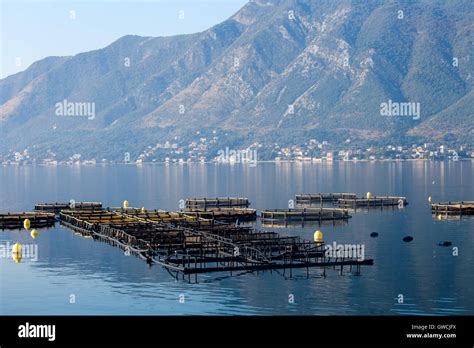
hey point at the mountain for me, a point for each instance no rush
(277, 71)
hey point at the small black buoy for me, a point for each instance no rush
(407, 239)
(445, 243)
(374, 234)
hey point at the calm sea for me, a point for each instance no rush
(75, 275)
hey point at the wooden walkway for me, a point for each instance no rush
(15, 220)
(191, 245)
(224, 214)
(193, 203)
(304, 214)
(292, 224)
(382, 201)
(57, 207)
(453, 208)
(322, 197)
(349, 200)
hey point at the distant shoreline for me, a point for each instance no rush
(76, 164)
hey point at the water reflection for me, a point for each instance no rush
(105, 281)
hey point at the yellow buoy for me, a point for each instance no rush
(16, 248)
(440, 217)
(143, 210)
(16, 257)
(34, 233)
(318, 236)
(369, 195)
(125, 204)
(26, 224)
(429, 199)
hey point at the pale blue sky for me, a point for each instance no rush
(32, 30)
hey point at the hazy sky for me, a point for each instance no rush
(32, 30)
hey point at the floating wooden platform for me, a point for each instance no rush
(323, 197)
(301, 224)
(15, 220)
(57, 207)
(305, 214)
(193, 203)
(453, 208)
(191, 244)
(224, 214)
(372, 202)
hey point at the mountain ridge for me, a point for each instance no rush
(316, 69)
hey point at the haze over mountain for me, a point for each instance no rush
(276, 71)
